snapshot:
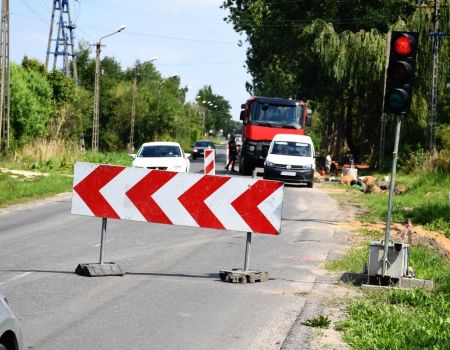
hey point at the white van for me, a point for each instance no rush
(291, 159)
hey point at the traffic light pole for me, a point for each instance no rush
(387, 236)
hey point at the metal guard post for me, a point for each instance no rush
(102, 240)
(387, 236)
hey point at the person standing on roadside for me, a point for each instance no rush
(232, 153)
(328, 164)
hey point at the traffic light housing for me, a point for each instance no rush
(400, 72)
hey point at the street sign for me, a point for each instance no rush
(187, 199)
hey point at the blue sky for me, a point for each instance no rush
(189, 37)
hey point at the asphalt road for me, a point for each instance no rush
(171, 296)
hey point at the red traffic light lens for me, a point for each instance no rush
(403, 45)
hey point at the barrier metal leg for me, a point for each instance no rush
(102, 239)
(247, 251)
(246, 275)
(100, 269)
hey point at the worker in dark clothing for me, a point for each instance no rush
(232, 153)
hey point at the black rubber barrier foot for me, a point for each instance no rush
(99, 270)
(241, 276)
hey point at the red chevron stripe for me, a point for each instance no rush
(141, 195)
(194, 200)
(88, 189)
(247, 205)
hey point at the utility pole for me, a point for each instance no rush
(95, 121)
(435, 35)
(64, 40)
(95, 124)
(133, 110)
(4, 82)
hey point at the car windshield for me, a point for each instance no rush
(286, 148)
(157, 151)
(203, 144)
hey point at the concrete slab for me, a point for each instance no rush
(241, 276)
(99, 270)
(374, 282)
(407, 282)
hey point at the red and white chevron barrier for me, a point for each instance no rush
(210, 162)
(218, 202)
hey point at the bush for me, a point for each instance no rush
(421, 161)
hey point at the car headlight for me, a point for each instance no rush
(268, 163)
(251, 148)
(195, 150)
(308, 166)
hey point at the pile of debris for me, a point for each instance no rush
(369, 184)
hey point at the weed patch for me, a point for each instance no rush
(318, 322)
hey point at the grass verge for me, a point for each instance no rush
(54, 158)
(394, 318)
(426, 202)
(18, 188)
(399, 319)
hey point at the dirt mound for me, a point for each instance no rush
(435, 240)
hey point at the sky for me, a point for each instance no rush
(188, 37)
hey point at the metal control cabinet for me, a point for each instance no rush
(397, 266)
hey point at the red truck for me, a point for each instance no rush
(263, 118)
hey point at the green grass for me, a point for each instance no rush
(402, 319)
(18, 189)
(399, 319)
(425, 202)
(318, 322)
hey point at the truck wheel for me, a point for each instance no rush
(310, 184)
(245, 168)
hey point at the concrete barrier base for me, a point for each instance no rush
(241, 276)
(373, 282)
(99, 270)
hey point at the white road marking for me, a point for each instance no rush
(15, 278)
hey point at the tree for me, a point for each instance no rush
(332, 54)
(31, 104)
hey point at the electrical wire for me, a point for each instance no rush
(198, 63)
(28, 6)
(165, 36)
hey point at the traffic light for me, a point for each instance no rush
(400, 72)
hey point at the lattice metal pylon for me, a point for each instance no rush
(64, 42)
(4, 78)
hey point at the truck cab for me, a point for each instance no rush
(263, 118)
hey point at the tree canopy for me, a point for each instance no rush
(52, 106)
(332, 54)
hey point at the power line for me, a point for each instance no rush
(28, 6)
(167, 37)
(199, 63)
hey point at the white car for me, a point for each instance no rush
(10, 332)
(291, 159)
(162, 156)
